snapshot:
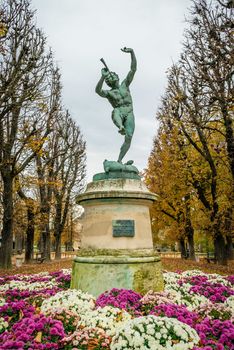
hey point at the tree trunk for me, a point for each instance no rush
(29, 249)
(228, 123)
(182, 248)
(228, 230)
(30, 204)
(229, 247)
(191, 245)
(7, 229)
(219, 241)
(58, 228)
(59, 223)
(45, 228)
(189, 231)
(220, 249)
(58, 245)
(46, 242)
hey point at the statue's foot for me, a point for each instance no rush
(122, 131)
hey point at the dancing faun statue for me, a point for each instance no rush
(120, 98)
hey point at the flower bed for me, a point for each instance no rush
(195, 311)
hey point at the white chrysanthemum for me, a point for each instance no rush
(31, 286)
(216, 278)
(185, 336)
(108, 318)
(71, 299)
(2, 301)
(171, 277)
(3, 324)
(181, 295)
(22, 277)
(66, 271)
(191, 273)
(229, 302)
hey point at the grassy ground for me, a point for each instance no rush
(169, 264)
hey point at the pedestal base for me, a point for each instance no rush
(95, 271)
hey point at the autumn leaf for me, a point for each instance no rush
(38, 337)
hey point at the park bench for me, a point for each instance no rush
(39, 259)
(210, 258)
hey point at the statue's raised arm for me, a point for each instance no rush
(99, 90)
(133, 68)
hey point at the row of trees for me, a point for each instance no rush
(191, 166)
(42, 151)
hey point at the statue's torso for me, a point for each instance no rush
(120, 97)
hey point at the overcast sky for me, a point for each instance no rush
(80, 32)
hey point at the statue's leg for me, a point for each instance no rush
(129, 126)
(117, 119)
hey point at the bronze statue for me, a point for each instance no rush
(120, 98)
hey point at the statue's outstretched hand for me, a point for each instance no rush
(105, 72)
(126, 49)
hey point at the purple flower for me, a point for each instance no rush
(25, 331)
(176, 311)
(16, 294)
(215, 292)
(13, 310)
(121, 298)
(230, 279)
(219, 334)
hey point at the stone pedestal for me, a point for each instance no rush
(116, 239)
(96, 271)
(106, 201)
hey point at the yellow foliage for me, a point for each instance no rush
(36, 144)
(173, 167)
(3, 29)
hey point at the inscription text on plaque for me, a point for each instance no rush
(123, 228)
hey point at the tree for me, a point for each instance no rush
(45, 160)
(23, 72)
(174, 190)
(228, 3)
(209, 52)
(188, 108)
(31, 212)
(3, 30)
(69, 173)
(198, 103)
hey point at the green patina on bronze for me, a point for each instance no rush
(117, 170)
(116, 175)
(120, 99)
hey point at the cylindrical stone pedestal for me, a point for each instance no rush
(100, 270)
(106, 201)
(116, 239)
